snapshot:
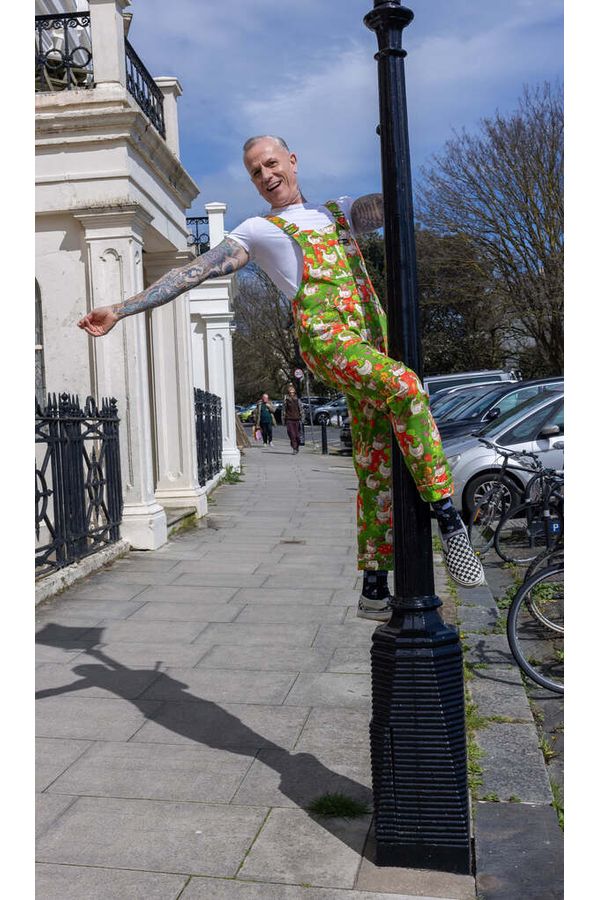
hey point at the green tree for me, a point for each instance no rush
(502, 188)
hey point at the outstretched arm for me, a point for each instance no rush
(227, 257)
(367, 213)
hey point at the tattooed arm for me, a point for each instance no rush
(227, 257)
(367, 213)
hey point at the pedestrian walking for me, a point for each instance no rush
(311, 253)
(293, 417)
(264, 418)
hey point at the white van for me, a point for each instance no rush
(435, 383)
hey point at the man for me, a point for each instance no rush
(311, 254)
(264, 418)
(292, 415)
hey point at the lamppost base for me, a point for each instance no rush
(418, 747)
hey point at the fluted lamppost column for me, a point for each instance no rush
(418, 745)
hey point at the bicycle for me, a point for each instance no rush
(535, 524)
(498, 498)
(535, 627)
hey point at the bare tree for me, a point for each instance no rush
(503, 189)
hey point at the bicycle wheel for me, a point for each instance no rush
(525, 531)
(546, 558)
(537, 648)
(485, 518)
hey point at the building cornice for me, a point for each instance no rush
(109, 118)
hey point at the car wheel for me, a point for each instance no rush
(322, 419)
(480, 485)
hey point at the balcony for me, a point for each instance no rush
(64, 61)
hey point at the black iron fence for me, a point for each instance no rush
(78, 494)
(63, 52)
(198, 236)
(209, 435)
(143, 89)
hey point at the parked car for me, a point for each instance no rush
(311, 408)
(472, 414)
(456, 397)
(435, 383)
(247, 414)
(537, 425)
(336, 409)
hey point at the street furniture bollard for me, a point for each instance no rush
(324, 438)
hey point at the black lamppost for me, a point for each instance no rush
(418, 745)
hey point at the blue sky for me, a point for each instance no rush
(305, 70)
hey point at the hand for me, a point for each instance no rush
(99, 321)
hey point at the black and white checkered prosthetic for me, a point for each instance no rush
(463, 566)
(370, 608)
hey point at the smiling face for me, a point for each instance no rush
(273, 172)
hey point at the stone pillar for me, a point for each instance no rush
(108, 41)
(216, 222)
(113, 240)
(171, 90)
(173, 394)
(219, 367)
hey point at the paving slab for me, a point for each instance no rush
(48, 810)
(477, 618)
(358, 633)
(53, 756)
(90, 718)
(519, 852)
(513, 765)
(151, 632)
(239, 686)
(227, 579)
(234, 633)
(411, 882)
(187, 611)
(152, 835)
(232, 889)
(153, 655)
(330, 689)
(239, 727)
(83, 607)
(54, 882)
(155, 772)
(355, 660)
(280, 778)
(330, 728)
(297, 596)
(93, 680)
(490, 649)
(498, 691)
(293, 848)
(179, 593)
(266, 658)
(282, 613)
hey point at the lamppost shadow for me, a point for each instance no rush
(302, 776)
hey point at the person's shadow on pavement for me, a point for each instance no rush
(302, 776)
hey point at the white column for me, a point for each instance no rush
(210, 306)
(171, 90)
(119, 361)
(108, 40)
(216, 222)
(173, 394)
(219, 359)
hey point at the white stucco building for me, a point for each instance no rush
(111, 201)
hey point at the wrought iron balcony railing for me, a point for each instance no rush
(209, 435)
(63, 52)
(142, 88)
(64, 62)
(198, 237)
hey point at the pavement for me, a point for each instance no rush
(192, 701)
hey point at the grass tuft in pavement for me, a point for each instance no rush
(339, 805)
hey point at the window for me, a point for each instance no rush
(529, 428)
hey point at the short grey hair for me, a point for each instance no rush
(261, 137)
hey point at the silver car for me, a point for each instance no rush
(536, 425)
